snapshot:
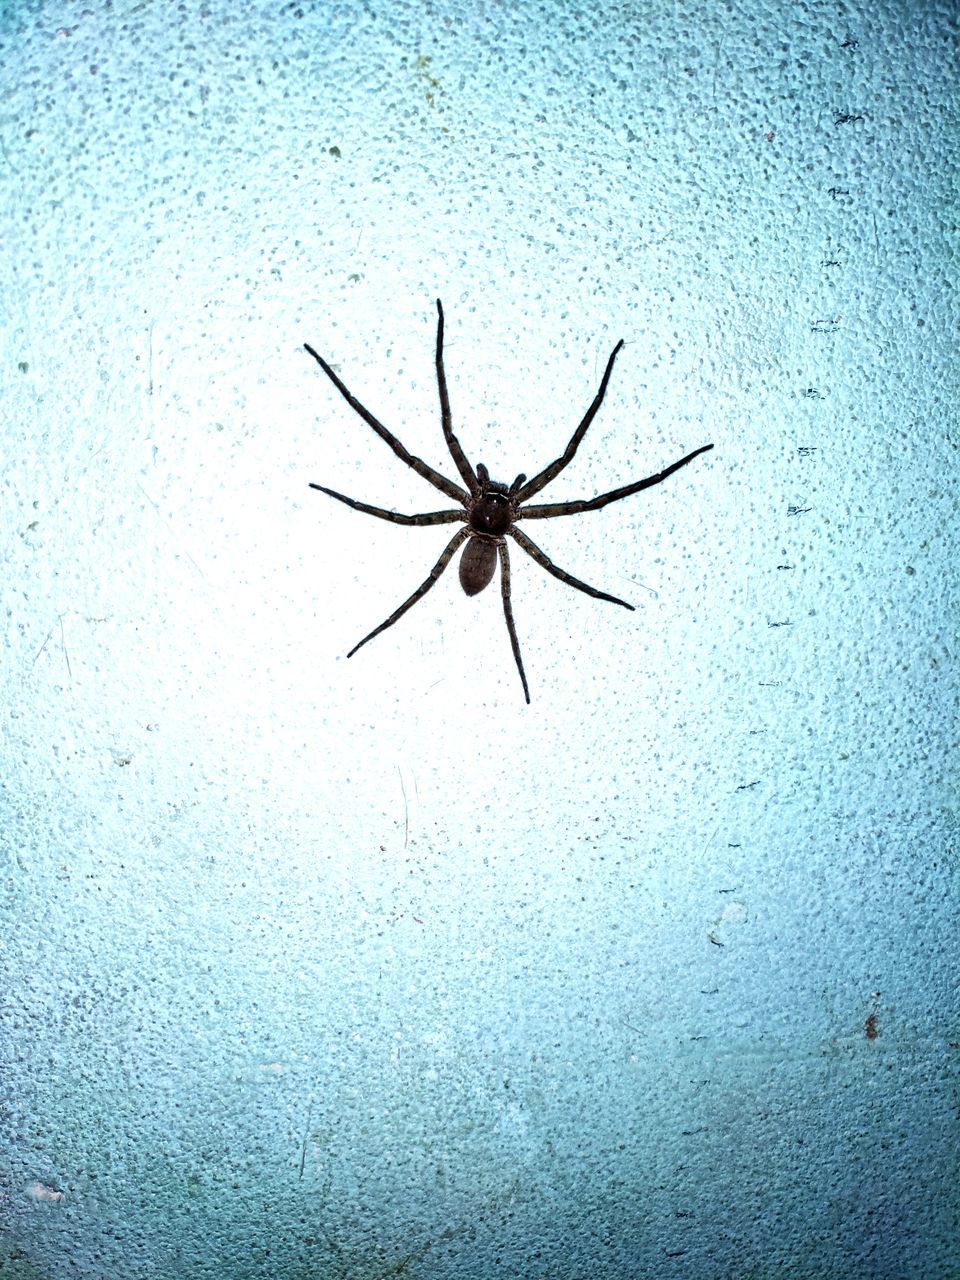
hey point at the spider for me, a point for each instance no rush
(490, 510)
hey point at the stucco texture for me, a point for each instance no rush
(330, 968)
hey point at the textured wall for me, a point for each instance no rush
(316, 968)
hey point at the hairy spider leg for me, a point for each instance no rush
(422, 468)
(428, 517)
(453, 444)
(421, 591)
(545, 562)
(508, 614)
(549, 509)
(543, 478)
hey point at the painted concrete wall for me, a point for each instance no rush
(327, 968)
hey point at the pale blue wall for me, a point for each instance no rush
(316, 968)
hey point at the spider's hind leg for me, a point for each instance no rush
(421, 591)
(508, 614)
(544, 561)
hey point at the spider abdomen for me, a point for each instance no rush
(477, 565)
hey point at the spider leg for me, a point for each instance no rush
(422, 590)
(453, 444)
(429, 517)
(549, 509)
(543, 478)
(545, 562)
(422, 468)
(508, 614)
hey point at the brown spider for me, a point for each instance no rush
(490, 509)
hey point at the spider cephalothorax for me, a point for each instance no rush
(490, 510)
(490, 513)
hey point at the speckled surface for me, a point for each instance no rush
(317, 968)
